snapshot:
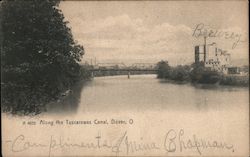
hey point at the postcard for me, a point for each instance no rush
(124, 78)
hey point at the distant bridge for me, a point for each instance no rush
(109, 69)
(123, 67)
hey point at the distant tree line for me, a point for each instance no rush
(197, 73)
(179, 73)
(39, 58)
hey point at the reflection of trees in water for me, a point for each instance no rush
(68, 103)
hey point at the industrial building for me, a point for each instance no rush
(213, 57)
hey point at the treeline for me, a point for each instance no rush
(39, 58)
(196, 73)
(179, 73)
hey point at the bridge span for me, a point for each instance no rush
(121, 71)
(134, 69)
(119, 68)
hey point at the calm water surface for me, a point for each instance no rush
(211, 112)
(145, 92)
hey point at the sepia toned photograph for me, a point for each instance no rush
(124, 78)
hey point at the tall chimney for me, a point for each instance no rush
(205, 48)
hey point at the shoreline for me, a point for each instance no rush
(217, 84)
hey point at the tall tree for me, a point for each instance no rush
(39, 56)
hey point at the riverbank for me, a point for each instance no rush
(235, 80)
(240, 81)
(199, 75)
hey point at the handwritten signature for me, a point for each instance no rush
(173, 141)
(201, 30)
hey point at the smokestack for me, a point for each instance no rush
(205, 48)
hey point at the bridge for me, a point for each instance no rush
(109, 69)
(123, 67)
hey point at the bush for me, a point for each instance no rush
(180, 73)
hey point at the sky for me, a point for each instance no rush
(150, 31)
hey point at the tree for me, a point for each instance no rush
(163, 69)
(39, 56)
(181, 73)
(201, 74)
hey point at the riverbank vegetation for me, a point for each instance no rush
(179, 73)
(235, 80)
(39, 58)
(196, 73)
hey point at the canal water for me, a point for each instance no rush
(146, 92)
(155, 106)
(150, 107)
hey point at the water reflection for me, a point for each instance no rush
(69, 103)
(145, 92)
(219, 87)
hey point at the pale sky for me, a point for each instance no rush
(147, 31)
